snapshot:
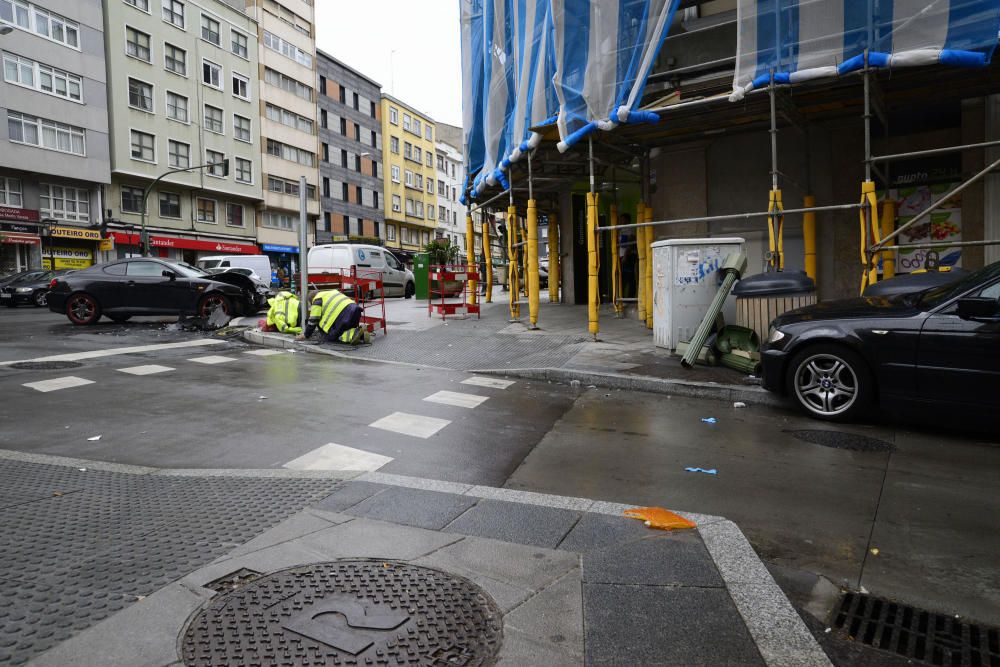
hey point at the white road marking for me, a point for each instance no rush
(149, 369)
(416, 425)
(212, 359)
(457, 399)
(264, 353)
(115, 351)
(332, 456)
(57, 383)
(492, 383)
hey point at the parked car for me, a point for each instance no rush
(332, 258)
(11, 277)
(147, 286)
(259, 264)
(938, 349)
(30, 288)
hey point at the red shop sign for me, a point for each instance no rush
(132, 238)
(24, 214)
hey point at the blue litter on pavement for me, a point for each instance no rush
(710, 471)
(709, 420)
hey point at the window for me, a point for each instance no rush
(343, 158)
(415, 126)
(137, 45)
(343, 127)
(372, 111)
(179, 154)
(394, 145)
(356, 102)
(210, 30)
(357, 132)
(417, 155)
(357, 163)
(453, 170)
(241, 86)
(375, 200)
(326, 186)
(430, 185)
(10, 192)
(323, 117)
(280, 185)
(244, 171)
(408, 150)
(170, 205)
(206, 210)
(326, 152)
(174, 59)
(359, 194)
(41, 22)
(395, 174)
(131, 199)
(442, 214)
(441, 163)
(430, 159)
(241, 128)
(409, 207)
(32, 74)
(407, 121)
(216, 158)
(213, 119)
(394, 115)
(173, 12)
(322, 85)
(25, 129)
(234, 215)
(64, 203)
(139, 4)
(374, 169)
(374, 139)
(278, 220)
(390, 232)
(177, 107)
(429, 133)
(419, 208)
(278, 79)
(290, 153)
(342, 97)
(140, 95)
(418, 181)
(143, 146)
(442, 190)
(239, 47)
(290, 119)
(288, 50)
(211, 74)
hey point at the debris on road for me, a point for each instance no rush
(709, 420)
(94, 439)
(707, 471)
(874, 551)
(659, 518)
(739, 404)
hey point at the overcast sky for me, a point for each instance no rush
(424, 71)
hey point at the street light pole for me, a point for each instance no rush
(143, 237)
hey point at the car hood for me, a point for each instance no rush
(850, 309)
(234, 279)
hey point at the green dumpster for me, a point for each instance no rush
(421, 268)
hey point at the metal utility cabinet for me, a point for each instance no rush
(685, 280)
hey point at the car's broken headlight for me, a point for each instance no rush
(774, 335)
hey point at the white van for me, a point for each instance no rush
(259, 264)
(340, 257)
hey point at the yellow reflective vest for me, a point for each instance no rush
(326, 306)
(283, 313)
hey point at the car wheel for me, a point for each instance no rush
(210, 302)
(831, 382)
(40, 298)
(409, 291)
(83, 309)
(119, 319)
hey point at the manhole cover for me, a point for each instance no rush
(842, 440)
(45, 365)
(233, 580)
(349, 612)
(920, 635)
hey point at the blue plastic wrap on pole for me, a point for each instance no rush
(963, 58)
(577, 136)
(504, 183)
(640, 117)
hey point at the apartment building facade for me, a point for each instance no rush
(287, 74)
(410, 176)
(54, 155)
(450, 212)
(183, 93)
(350, 133)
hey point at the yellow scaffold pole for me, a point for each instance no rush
(640, 276)
(868, 215)
(533, 263)
(592, 290)
(888, 227)
(487, 257)
(513, 279)
(470, 245)
(650, 297)
(809, 236)
(616, 269)
(553, 258)
(776, 231)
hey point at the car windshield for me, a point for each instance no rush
(937, 295)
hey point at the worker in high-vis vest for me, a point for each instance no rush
(283, 313)
(337, 316)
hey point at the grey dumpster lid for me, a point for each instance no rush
(772, 284)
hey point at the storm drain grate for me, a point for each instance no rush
(933, 639)
(233, 580)
(842, 440)
(45, 365)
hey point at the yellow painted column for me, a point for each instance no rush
(640, 274)
(776, 231)
(470, 253)
(513, 280)
(532, 262)
(616, 269)
(592, 291)
(888, 227)
(553, 258)
(650, 296)
(809, 237)
(868, 217)
(488, 256)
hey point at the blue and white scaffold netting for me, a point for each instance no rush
(799, 40)
(580, 64)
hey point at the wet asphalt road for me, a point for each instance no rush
(928, 507)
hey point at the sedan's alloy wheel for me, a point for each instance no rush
(826, 384)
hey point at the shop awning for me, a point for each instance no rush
(15, 237)
(799, 40)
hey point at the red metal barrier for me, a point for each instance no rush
(366, 287)
(437, 299)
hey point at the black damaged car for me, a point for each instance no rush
(937, 350)
(148, 286)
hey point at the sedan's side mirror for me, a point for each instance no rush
(167, 273)
(979, 309)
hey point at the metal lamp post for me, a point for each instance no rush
(144, 237)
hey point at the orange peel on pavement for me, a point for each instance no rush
(657, 517)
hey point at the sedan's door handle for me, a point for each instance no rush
(879, 332)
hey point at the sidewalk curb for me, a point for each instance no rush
(283, 342)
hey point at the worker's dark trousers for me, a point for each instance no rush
(349, 318)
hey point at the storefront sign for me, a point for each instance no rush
(8, 213)
(106, 244)
(20, 229)
(187, 244)
(22, 239)
(67, 258)
(267, 247)
(76, 233)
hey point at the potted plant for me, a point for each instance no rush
(443, 252)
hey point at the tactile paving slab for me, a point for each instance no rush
(80, 545)
(348, 612)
